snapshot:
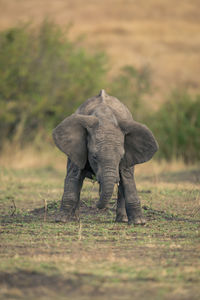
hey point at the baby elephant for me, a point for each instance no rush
(102, 139)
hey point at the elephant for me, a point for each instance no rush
(102, 139)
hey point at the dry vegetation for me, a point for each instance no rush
(164, 35)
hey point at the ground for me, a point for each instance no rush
(96, 257)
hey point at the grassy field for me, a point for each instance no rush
(163, 35)
(96, 257)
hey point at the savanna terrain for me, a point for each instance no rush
(96, 257)
(162, 35)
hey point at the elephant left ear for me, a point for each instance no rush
(140, 144)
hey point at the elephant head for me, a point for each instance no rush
(106, 144)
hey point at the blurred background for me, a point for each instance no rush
(56, 54)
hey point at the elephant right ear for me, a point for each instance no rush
(70, 136)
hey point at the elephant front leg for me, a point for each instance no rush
(121, 215)
(132, 201)
(69, 209)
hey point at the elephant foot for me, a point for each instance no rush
(63, 217)
(139, 220)
(121, 218)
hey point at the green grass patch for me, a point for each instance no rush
(96, 256)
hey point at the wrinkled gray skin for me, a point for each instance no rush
(102, 139)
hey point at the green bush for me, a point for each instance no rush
(43, 78)
(176, 126)
(130, 86)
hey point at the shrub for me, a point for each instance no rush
(44, 77)
(130, 86)
(176, 126)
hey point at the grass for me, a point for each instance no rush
(97, 257)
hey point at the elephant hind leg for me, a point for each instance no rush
(121, 215)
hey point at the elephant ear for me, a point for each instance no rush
(140, 144)
(70, 136)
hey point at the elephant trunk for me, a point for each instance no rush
(106, 191)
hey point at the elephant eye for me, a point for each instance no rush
(94, 156)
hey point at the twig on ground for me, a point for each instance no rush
(196, 210)
(13, 212)
(45, 210)
(80, 231)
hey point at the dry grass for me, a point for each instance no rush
(30, 157)
(161, 34)
(49, 156)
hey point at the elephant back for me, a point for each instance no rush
(91, 105)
